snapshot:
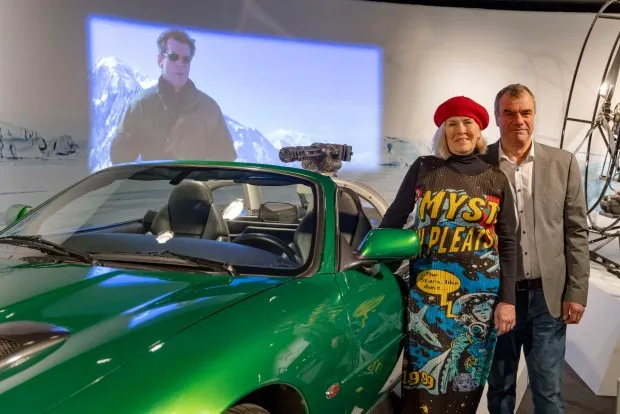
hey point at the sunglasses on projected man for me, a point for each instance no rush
(173, 57)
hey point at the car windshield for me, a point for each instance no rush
(259, 221)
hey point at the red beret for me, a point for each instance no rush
(462, 106)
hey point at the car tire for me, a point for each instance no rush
(246, 409)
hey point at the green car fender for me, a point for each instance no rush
(296, 335)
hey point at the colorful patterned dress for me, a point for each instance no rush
(464, 213)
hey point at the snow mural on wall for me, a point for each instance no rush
(23, 143)
(34, 166)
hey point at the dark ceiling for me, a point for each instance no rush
(573, 6)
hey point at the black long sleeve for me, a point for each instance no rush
(506, 226)
(396, 215)
(506, 229)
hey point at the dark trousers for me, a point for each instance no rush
(543, 339)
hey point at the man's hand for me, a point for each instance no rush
(572, 312)
(505, 317)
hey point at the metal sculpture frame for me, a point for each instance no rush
(607, 122)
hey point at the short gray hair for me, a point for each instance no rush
(440, 143)
(514, 90)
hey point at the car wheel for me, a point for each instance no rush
(246, 409)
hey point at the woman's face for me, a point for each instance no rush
(462, 135)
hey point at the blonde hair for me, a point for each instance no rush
(440, 144)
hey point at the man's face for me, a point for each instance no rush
(175, 63)
(515, 118)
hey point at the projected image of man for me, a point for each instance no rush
(173, 120)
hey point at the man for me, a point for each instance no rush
(554, 265)
(173, 119)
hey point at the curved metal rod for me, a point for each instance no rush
(604, 78)
(587, 164)
(583, 48)
(603, 231)
(610, 172)
(602, 117)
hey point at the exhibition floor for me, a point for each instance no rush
(578, 398)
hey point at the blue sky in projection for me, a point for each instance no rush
(328, 91)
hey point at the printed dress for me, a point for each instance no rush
(464, 214)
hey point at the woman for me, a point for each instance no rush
(462, 284)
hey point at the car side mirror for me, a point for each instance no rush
(384, 245)
(16, 212)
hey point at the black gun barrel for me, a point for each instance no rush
(298, 153)
(314, 151)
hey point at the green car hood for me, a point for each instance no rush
(111, 316)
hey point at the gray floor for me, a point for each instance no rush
(578, 398)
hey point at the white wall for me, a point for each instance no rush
(430, 55)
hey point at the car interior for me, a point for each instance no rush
(192, 213)
(277, 228)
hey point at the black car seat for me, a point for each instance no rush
(353, 223)
(304, 234)
(191, 212)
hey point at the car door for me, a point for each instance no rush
(374, 300)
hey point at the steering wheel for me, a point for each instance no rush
(249, 239)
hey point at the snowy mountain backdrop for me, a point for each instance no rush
(114, 86)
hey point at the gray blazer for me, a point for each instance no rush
(560, 224)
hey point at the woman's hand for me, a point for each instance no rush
(505, 317)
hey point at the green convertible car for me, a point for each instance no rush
(201, 287)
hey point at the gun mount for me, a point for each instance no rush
(324, 158)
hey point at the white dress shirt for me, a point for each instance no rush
(521, 177)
